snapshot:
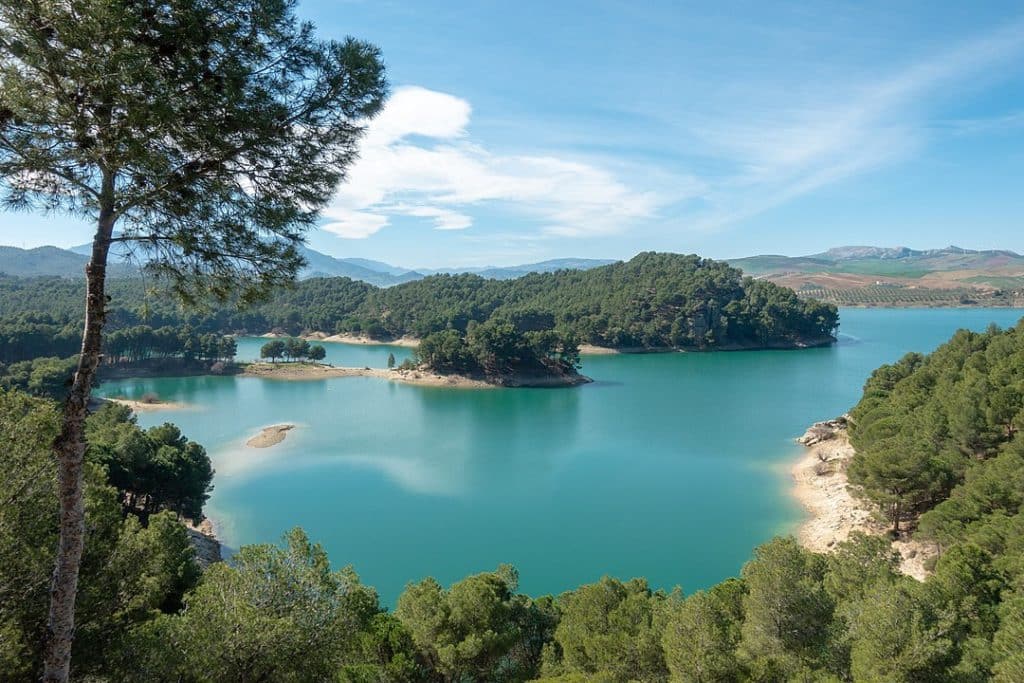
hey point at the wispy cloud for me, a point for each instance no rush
(787, 152)
(985, 124)
(418, 160)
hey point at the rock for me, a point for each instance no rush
(204, 541)
(823, 431)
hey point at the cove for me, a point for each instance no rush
(668, 466)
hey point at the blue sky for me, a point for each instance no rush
(519, 131)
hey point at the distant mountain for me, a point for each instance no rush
(512, 272)
(71, 262)
(775, 263)
(48, 261)
(384, 274)
(882, 261)
(378, 266)
(40, 261)
(374, 272)
(317, 265)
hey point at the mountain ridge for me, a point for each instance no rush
(55, 261)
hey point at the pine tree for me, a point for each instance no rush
(205, 133)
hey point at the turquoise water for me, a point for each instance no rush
(669, 466)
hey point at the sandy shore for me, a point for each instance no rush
(820, 484)
(591, 350)
(149, 407)
(270, 436)
(309, 371)
(408, 342)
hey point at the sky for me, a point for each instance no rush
(522, 131)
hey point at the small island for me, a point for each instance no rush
(508, 353)
(270, 436)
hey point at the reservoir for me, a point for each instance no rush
(669, 466)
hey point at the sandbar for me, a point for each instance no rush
(270, 436)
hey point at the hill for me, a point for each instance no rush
(47, 261)
(894, 276)
(896, 261)
(40, 261)
(651, 302)
(373, 272)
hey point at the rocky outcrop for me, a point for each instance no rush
(205, 542)
(824, 431)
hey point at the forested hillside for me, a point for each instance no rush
(652, 301)
(937, 438)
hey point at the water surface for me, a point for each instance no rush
(669, 466)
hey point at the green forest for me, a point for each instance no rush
(531, 325)
(652, 301)
(37, 354)
(500, 348)
(937, 450)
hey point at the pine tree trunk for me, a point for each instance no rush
(69, 449)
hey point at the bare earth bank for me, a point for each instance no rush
(820, 484)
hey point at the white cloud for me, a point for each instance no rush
(353, 224)
(443, 218)
(417, 160)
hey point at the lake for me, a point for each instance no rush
(669, 466)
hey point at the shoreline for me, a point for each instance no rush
(306, 371)
(585, 349)
(297, 372)
(353, 339)
(820, 485)
(146, 407)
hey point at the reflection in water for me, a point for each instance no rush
(510, 441)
